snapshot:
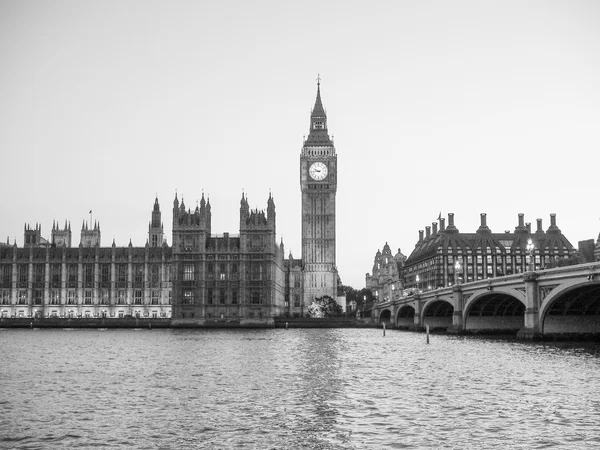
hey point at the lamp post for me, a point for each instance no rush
(457, 268)
(530, 248)
(417, 280)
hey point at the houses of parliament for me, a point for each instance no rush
(201, 276)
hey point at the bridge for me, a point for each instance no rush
(562, 301)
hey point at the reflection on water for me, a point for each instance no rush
(318, 389)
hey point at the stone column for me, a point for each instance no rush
(418, 324)
(458, 324)
(393, 312)
(531, 329)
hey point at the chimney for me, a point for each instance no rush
(553, 227)
(450, 220)
(521, 220)
(420, 235)
(483, 220)
(539, 226)
(442, 224)
(427, 232)
(528, 226)
(434, 225)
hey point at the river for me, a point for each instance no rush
(297, 388)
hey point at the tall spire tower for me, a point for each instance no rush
(318, 184)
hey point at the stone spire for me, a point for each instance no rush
(318, 135)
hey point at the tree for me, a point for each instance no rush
(324, 307)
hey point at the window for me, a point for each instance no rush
(72, 273)
(71, 299)
(222, 271)
(155, 297)
(234, 298)
(6, 275)
(209, 296)
(188, 297)
(222, 296)
(155, 274)
(296, 301)
(188, 272)
(55, 273)
(121, 297)
(38, 273)
(138, 274)
(38, 295)
(105, 276)
(122, 274)
(54, 296)
(104, 296)
(137, 297)
(88, 273)
(23, 273)
(87, 297)
(255, 298)
(5, 296)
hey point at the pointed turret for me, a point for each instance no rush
(318, 135)
(155, 228)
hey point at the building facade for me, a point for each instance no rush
(445, 256)
(202, 276)
(44, 279)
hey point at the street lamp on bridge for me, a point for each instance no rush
(530, 248)
(457, 268)
(417, 280)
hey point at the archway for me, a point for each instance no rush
(406, 317)
(385, 317)
(576, 311)
(495, 312)
(438, 315)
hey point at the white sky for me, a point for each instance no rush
(435, 106)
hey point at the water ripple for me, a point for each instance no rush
(300, 389)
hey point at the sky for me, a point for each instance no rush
(435, 107)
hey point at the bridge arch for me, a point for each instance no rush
(496, 310)
(573, 308)
(385, 316)
(437, 313)
(406, 317)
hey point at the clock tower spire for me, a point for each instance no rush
(318, 184)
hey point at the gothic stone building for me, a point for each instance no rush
(202, 276)
(53, 279)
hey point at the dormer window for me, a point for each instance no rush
(318, 125)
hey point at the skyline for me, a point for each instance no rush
(434, 108)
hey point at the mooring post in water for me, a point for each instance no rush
(150, 325)
(286, 325)
(427, 332)
(384, 328)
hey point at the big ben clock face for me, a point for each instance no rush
(317, 171)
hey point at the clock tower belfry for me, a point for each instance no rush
(318, 183)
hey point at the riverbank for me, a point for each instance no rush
(139, 322)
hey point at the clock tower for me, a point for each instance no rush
(318, 183)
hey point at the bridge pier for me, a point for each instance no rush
(418, 323)
(458, 325)
(532, 327)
